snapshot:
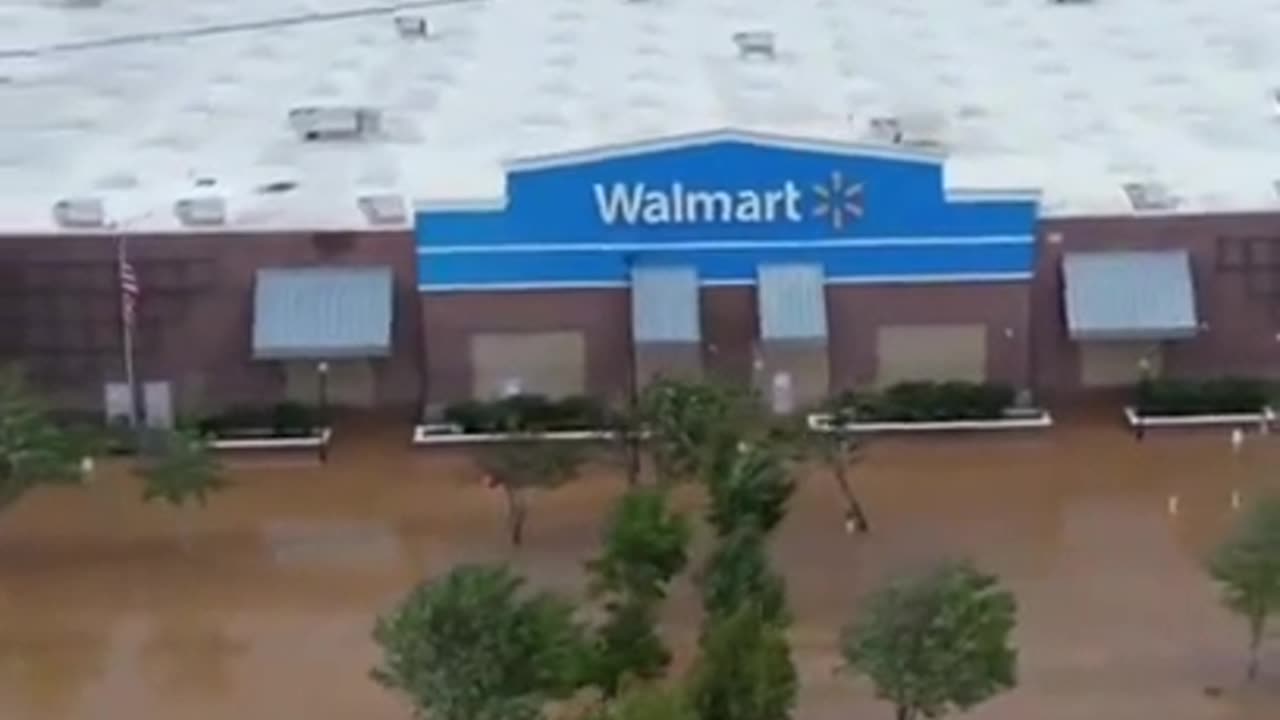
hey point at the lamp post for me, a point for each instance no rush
(322, 388)
(322, 403)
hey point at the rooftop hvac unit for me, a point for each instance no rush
(81, 212)
(1150, 196)
(755, 43)
(916, 129)
(335, 123)
(886, 129)
(412, 27)
(205, 211)
(383, 209)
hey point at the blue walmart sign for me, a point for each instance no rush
(725, 202)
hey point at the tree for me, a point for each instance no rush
(689, 422)
(837, 451)
(752, 486)
(178, 468)
(738, 574)
(33, 450)
(645, 546)
(937, 642)
(524, 465)
(1247, 568)
(474, 645)
(628, 428)
(628, 646)
(744, 671)
(646, 702)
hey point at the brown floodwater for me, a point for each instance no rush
(260, 605)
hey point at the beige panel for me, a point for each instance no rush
(931, 352)
(794, 374)
(551, 364)
(670, 360)
(350, 383)
(1116, 364)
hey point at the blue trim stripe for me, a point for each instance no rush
(1013, 277)
(594, 268)
(849, 242)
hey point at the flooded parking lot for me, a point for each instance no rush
(105, 613)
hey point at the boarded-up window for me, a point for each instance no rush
(1117, 364)
(931, 352)
(551, 364)
(347, 384)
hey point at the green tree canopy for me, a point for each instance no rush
(524, 465)
(646, 702)
(744, 671)
(738, 574)
(752, 487)
(936, 642)
(1247, 568)
(645, 546)
(689, 422)
(179, 468)
(33, 449)
(474, 645)
(628, 646)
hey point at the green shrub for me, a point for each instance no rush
(286, 419)
(527, 413)
(1200, 397)
(924, 401)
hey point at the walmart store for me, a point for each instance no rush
(803, 267)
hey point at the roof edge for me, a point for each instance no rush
(707, 137)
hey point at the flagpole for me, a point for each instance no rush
(126, 324)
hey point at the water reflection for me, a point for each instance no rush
(46, 663)
(191, 654)
(106, 617)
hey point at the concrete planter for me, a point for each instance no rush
(1131, 416)
(264, 440)
(447, 434)
(1035, 420)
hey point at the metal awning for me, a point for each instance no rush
(1129, 295)
(792, 302)
(664, 304)
(322, 312)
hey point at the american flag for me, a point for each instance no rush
(128, 290)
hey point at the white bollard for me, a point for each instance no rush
(1237, 440)
(1235, 499)
(1173, 504)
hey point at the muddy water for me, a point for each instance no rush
(259, 606)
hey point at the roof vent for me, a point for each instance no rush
(82, 3)
(755, 43)
(205, 182)
(334, 123)
(1275, 103)
(383, 209)
(412, 27)
(1070, 2)
(81, 212)
(277, 187)
(886, 129)
(201, 211)
(1150, 196)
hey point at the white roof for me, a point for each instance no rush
(132, 101)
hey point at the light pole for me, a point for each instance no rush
(322, 388)
(322, 403)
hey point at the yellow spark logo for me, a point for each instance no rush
(838, 201)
